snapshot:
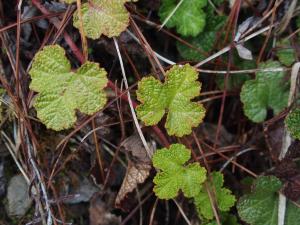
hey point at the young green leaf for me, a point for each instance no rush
(268, 90)
(61, 91)
(174, 175)
(174, 96)
(292, 121)
(108, 17)
(189, 18)
(224, 199)
(261, 206)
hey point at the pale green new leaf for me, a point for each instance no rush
(108, 17)
(292, 122)
(174, 175)
(223, 197)
(268, 90)
(260, 207)
(189, 18)
(174, 96)
(62, 91)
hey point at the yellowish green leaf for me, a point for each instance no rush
(61, 91)
(174, 97)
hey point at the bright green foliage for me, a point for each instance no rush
(224, 199)
(261, 206)
(61, 91)
(205, 41)
(189, 18)
(173, 96)
(108, 17)
(268, 90)
(292, 122)
(174, 175)
(286, 53)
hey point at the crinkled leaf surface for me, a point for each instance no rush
(61, 91)
(189, 18)
(174, 175)
(292, 122)
(173, 97)
(268, 90)
(260, 207)
(224, 199)
(108, 17)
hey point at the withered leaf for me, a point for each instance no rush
(136, 174)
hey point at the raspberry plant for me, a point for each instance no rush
(61, 91)
(174, 176)
(174, 97)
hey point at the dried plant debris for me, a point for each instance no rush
(136, 174)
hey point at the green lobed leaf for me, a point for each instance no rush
(173, 97)
(189, 18)
(260, 207)
(268, 90)
(292, 121)
(174, 175)
(61, 91)
(224, 199)
(108, 17)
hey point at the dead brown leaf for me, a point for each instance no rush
(136, 174)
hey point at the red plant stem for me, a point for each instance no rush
(76, 51)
